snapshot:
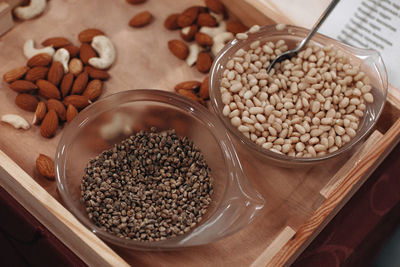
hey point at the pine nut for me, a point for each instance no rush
(300, 147)
(300, 128)
(236, 121)
(226, 110)
(369, 98)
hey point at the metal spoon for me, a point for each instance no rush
(291, 53)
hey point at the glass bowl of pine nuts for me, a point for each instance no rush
(315, 106)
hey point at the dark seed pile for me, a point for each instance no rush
(150, 187)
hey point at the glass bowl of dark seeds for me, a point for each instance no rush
(149, 169)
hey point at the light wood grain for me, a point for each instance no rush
(338, 178)
(279, 11)
(56, 218)
(274, 247)
(250, 12)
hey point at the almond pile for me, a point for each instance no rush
(54, 95)
(195, 90)
(202, 29)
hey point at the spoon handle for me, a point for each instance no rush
(316, 26)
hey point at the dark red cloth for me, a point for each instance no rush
(356, 233)
(25, 242)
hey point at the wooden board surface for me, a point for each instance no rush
(282, 11)
(6, 21)
(145, 62)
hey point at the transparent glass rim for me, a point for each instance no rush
(175, 100)
(299, 32)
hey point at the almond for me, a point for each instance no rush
(56, 73)
(15, 74)
(58, 107)
(188, 35)
(39, 113)
(45, 166)
(75, 66)
(204, 39)
(66, 84)
(190, 94)
(86, 52)
(71, 113)
(235, 27)
(47, 89)
(203, 63)
(178, 48)
(204, 91)
(171, 22)
(205, 19)
(36, 73)
(141, 19)
(26, 102)
(87, 35)
(22, 86)
(73, 50)
(93, 89)
(49, 125)
(203, 9)
(80, 83)
(188, 85)
(135, 2)
(97, 73)
(188, 17)
(40, 60)
(215, 6)
(56, 42)
(78, 101)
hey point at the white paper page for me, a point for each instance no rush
(369, 24)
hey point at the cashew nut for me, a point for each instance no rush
(15, 120)
(30, 50)
(218, 17)
(185, 30)
(220, 40)
(194, 50)
(35, 8)
(105, 48)
(214, 31)
(62, 56)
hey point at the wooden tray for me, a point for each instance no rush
(298, 203)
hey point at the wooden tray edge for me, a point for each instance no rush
(256, 12)
(337, 198)
(338, 178)
(55, 217)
